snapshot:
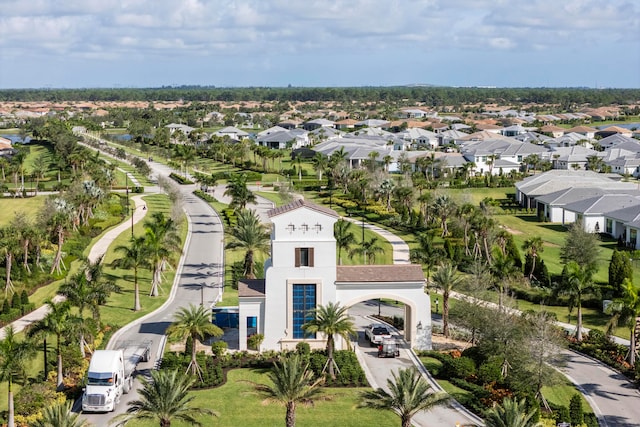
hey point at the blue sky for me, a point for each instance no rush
(150, 43)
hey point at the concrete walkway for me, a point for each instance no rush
(98, 249)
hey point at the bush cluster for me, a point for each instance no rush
(180, 179)
(15, 307)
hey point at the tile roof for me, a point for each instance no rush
(300, 203)
(380, 273)
(251, 288)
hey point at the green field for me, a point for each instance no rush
(239, 405)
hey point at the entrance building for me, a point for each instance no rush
(302, 274)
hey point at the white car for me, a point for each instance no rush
(376, 333)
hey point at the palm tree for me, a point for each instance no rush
(320, 163)
(60, 415)
(502, 269)
(252, 236)
(533, 246)
(10, 242)
(511, 413)
(14, 355)
(368, 249)
(443, 208)
(193, 322)
(239, 193)
(164, 398)
(162, 241)
(408, 394)
(134, 256)
(55, 322)
(292, 383)
(626, 311)
(344, 237)
(579, 281)
(331, 320)
(446, 279)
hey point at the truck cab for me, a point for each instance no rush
(105, 381)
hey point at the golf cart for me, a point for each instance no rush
(388, 348)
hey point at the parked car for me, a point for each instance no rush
(376, 333)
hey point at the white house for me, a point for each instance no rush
(302, 274)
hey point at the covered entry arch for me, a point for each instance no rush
(404, 283)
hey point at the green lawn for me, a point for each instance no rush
(118, 310)
(29, 205)
(239, 405)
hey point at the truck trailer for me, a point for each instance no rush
(110, 375)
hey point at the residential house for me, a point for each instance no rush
(346, 124)
(604, 212)
(497, 156)
(318, 123)
(295, 138)
(531, 188)
(614, 130)
(420, 138)
(616, 139)
(513, 130)
(574, 157)
(232, 132)
(586, 131)
(173, 127)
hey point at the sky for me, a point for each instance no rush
(319, 43)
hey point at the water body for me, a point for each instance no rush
(16, 138)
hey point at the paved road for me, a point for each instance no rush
(199, 279)
(378, 370)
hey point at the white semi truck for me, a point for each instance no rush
(110, 375)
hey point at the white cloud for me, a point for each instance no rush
(264, 30)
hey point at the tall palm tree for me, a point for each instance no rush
(444, 207)
(344, 237)
(578, 283)
(164, 398)
(292, 384)
(193, 322)
(331, 320)
(134, 257)
(408, 394)
(14, 354)
(511, 413)
(626, 311)
(252, 236)
(425, 253)
(502, 269)
(239, 193)
(446, 279)
(162, 242)
(534, 246)
(60, 415)
(320, 163)
(56, 323)
(368, 250)
(10, 244)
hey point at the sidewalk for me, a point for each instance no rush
(97, 250)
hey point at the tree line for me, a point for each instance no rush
(429, 95)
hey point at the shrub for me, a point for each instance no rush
(219, 348)
(303, 348)
(575, 410)
(254, 341)
(460, 367)
(490, 371)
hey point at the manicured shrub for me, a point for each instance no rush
(490, 371)
(219, 348)
(575, 410)
(460, 367)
